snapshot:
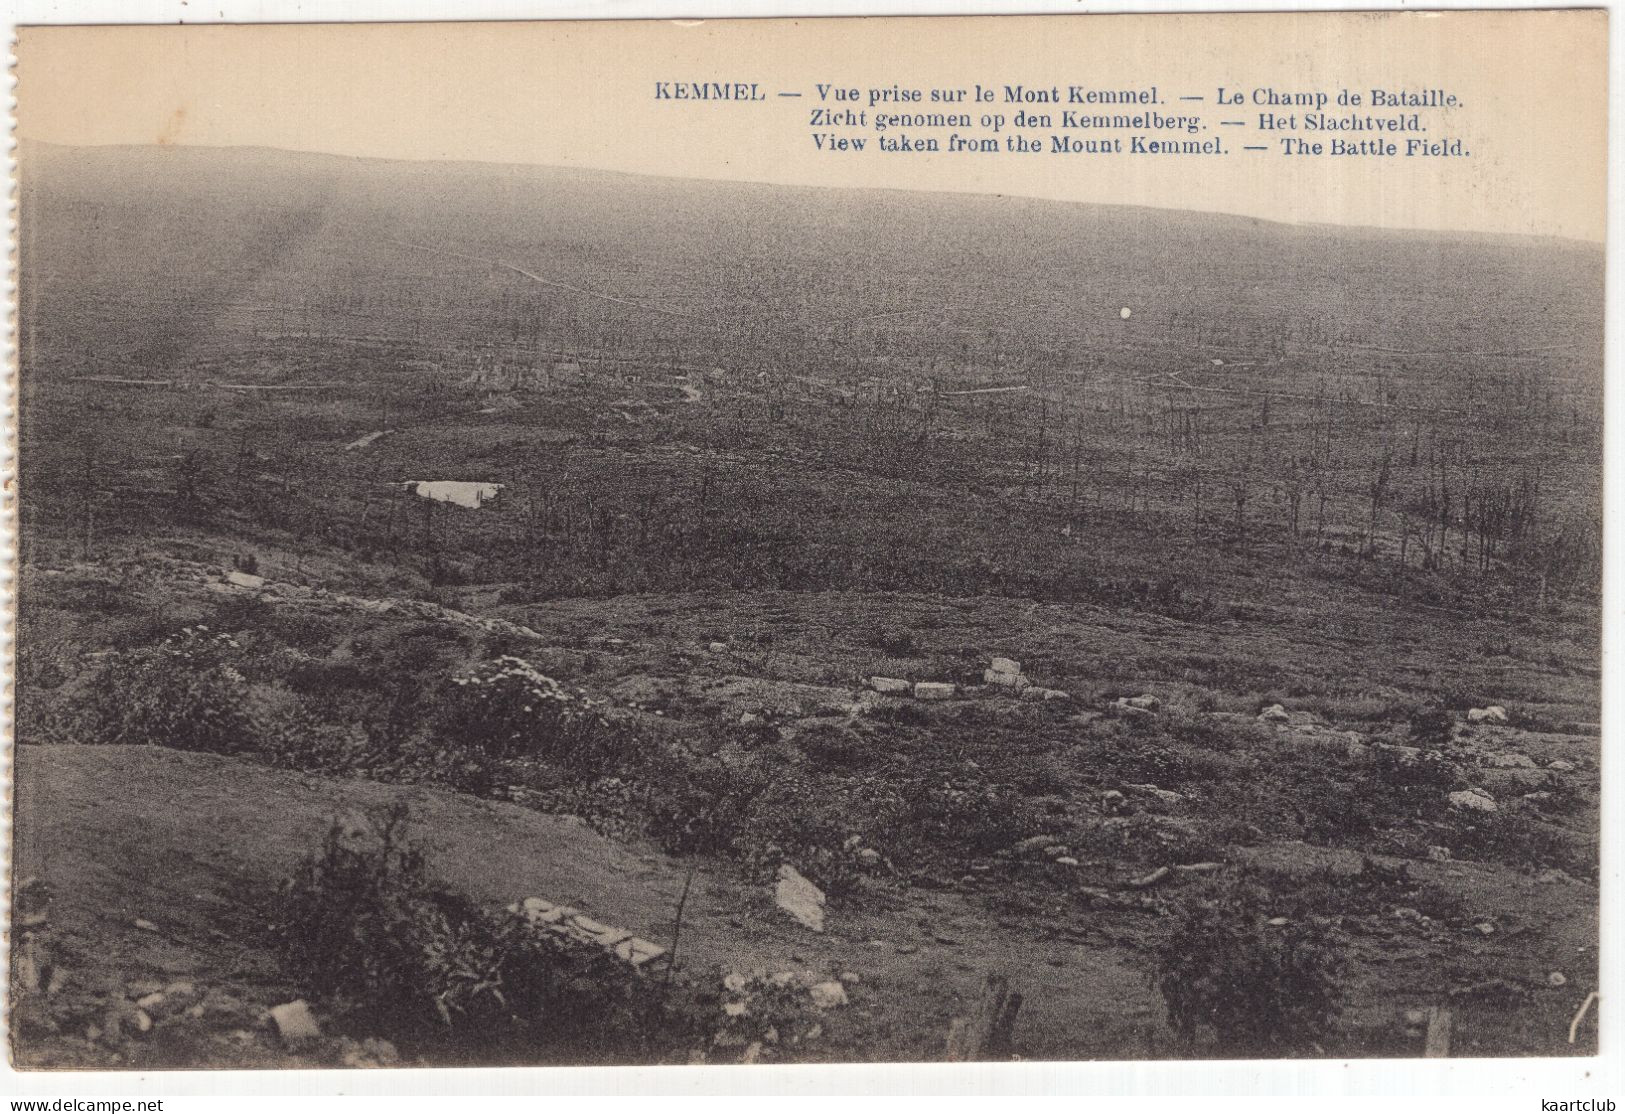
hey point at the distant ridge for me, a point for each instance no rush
(522, 169)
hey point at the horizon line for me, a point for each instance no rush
(1600, 243)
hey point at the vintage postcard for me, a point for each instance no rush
(775, 541)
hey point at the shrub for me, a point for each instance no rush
(959, 810)
(1520, 839)
(186, 692)
(1411, 787)
(362, 927)
(1432, 728)
(698, 805)
(1245, 987)
(506, 709)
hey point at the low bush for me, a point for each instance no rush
(1432, 727)
(506, 709)
(186, 692)
(1522, 840)
(1238, 986)
(363, 928)
(698, 805)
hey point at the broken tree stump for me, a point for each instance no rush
(990, 1034)
(1437, 1043)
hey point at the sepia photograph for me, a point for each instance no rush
(823, 541)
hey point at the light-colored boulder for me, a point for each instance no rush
(1008, 666)
(1493, 714)
(828, 995)
(800, 898)
(1274, 714)
(934, 690)
(295, 1023)
(1166, 796)
(889, 685)
(1473, 800)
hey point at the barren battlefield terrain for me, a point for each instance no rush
(489, 614)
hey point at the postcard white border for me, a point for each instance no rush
(1334, 1085)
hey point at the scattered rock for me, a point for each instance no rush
(1493, 714)
(828, 995)
(1113, 801)
(1274, 714)
(934, 690)
(1036, 692)
(1492, 990)
(1199, 868)
(1033, 845)
(244, 580)
(145, 925)
(1474, 800)
(749, 718)
(1439, 854)
(1166, 796)
(889, 685)
(1277, 922)
(1415, 1019)
(1005, 672)
(1150, 879)
(718, 647)
(1484, 928)
(1561, 766)
(1066, 860)
(370, 1053)
(1144, 700)
(800, 898)
(1551, 875)
(295, 1024)
(868, 856)
(1557, 978)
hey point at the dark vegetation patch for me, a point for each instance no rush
(365, 928)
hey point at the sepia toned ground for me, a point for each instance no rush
(1272, 554)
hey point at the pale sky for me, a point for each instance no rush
(1531, 87)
